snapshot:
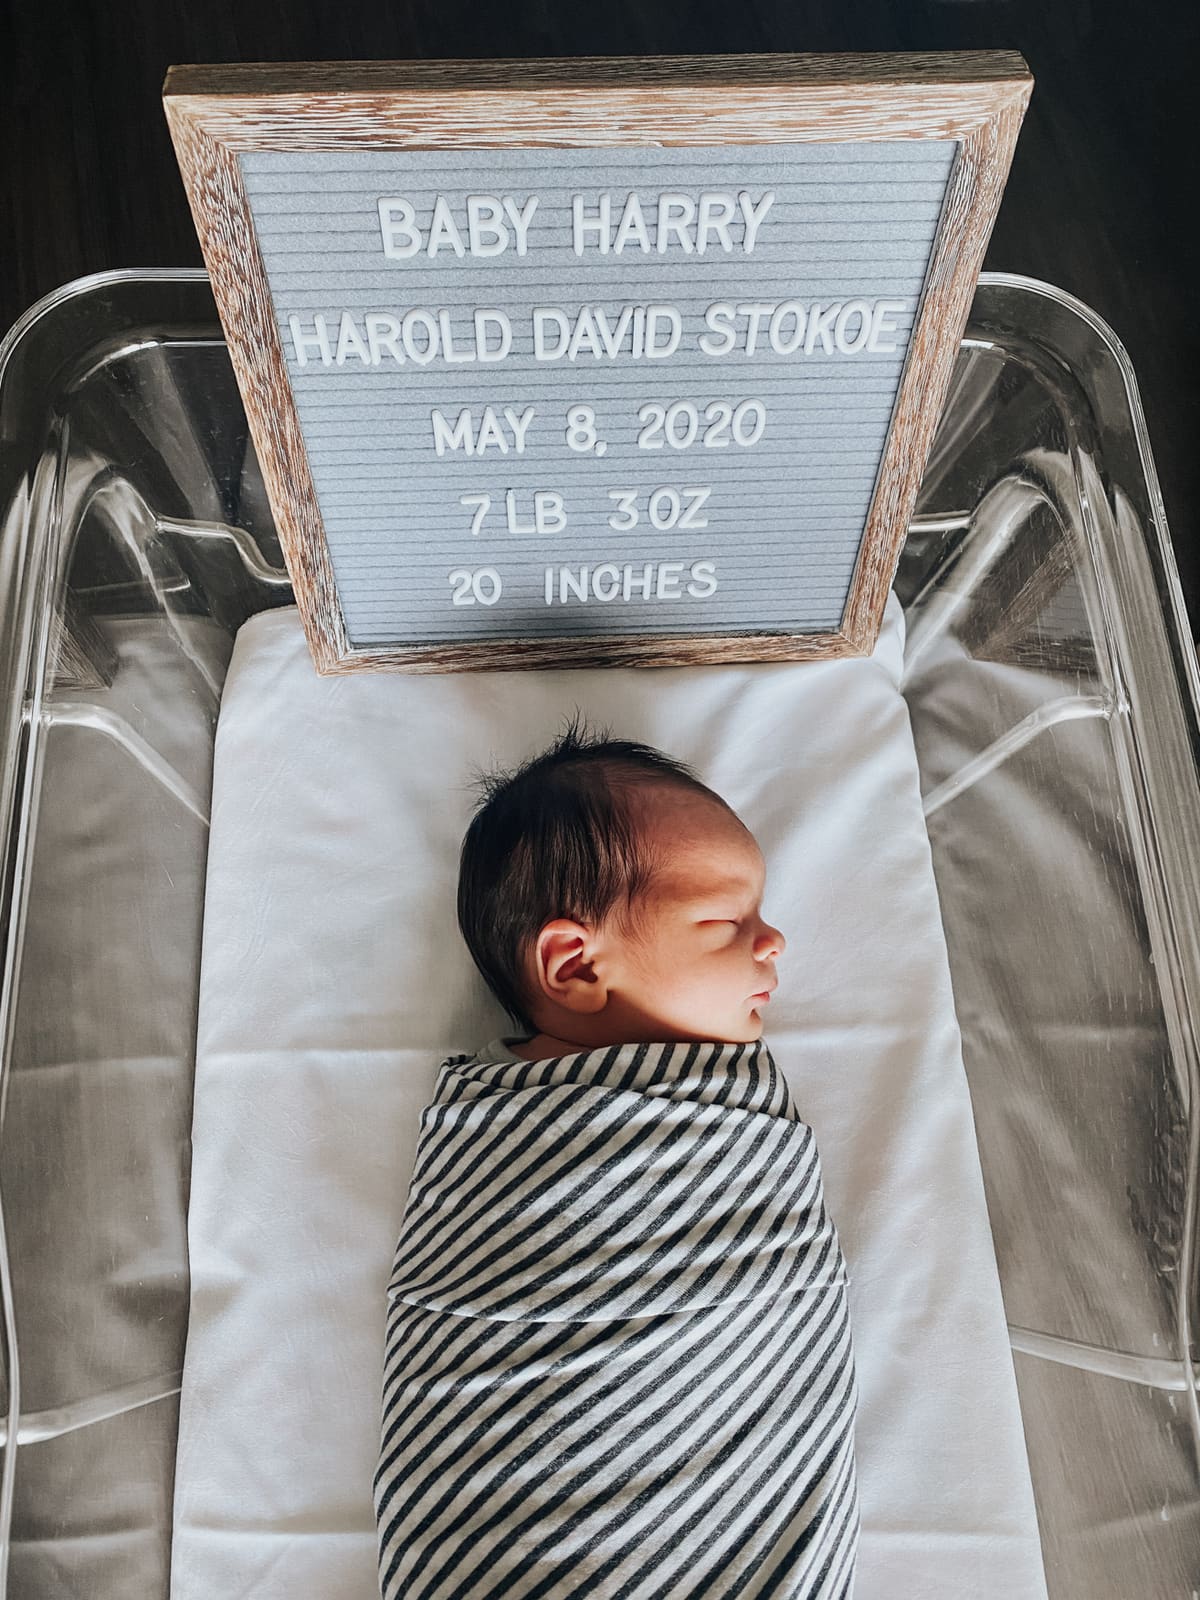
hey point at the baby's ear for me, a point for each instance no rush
(565, 967)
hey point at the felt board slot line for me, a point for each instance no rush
(600, 625)
(555, 230)
(811, 622)
(334, 405)
(715, 377)
(587, 547)
(423, 183)
(590, 546)
(369, 164)
(740, 544)
(852, 271)
(814, 561)
(795, 493)
(457, 519)
(834, 580)
(438, 598)
(825, 477)
(815, 223)
(810, 470)
(402, 458)
(534, 588)
(372, 454)
(597, 550)
(600, 553)
(789, 435)
(645, 461)
(411, 410)
(507, 480)
(817, 482)
(827, 573)
(799, 159)
(336, 427)
(388, 532)
(918, 206)
(817, 370)
(530, 612)
(512, 470)
(815, 215)
(818, 231)
(530, 609)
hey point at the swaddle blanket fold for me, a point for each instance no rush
(618, 1359)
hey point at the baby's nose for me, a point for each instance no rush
(772, 942)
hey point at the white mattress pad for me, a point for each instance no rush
(335, 980)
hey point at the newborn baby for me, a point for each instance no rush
(618, 1358)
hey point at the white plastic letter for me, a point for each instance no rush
(601, 225)
(754, 216)
(397, 229)
(485, 228)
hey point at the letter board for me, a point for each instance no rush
(594, 361)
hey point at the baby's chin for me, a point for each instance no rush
(726, 1030)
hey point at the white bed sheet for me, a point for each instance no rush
(334, 981)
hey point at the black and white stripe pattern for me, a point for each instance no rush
(618, 1358)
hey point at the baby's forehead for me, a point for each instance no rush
(701, 852)
(702, 878)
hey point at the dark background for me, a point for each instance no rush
(1100, 200)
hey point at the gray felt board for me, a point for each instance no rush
(737, 505)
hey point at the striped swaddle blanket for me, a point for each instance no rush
(618, 1358)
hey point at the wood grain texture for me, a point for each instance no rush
(972, 201)
(976, 98)
(464, 72)
(221, 212)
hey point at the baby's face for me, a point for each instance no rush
(702, 960)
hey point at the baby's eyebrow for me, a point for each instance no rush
(731, 887)
(733, 890)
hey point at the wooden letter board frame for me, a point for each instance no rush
(975, 98)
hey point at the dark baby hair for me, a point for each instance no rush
(557, 837)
